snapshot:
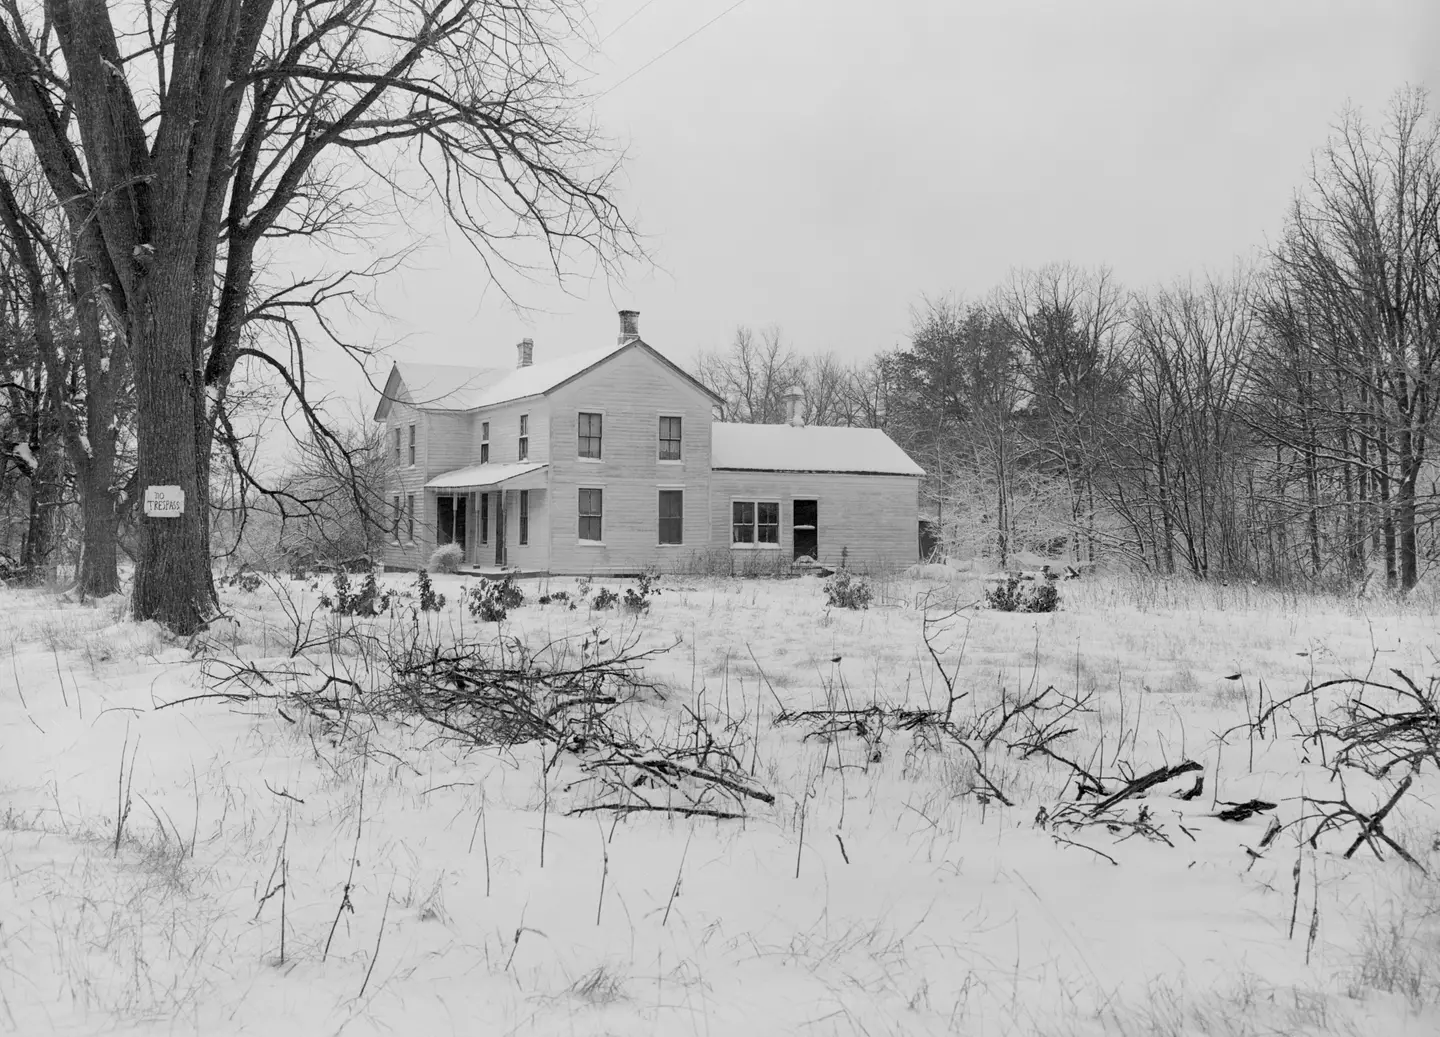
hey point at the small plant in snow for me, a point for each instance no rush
(430, 600)
(637, 598)
(1014, 595)
(344, 601)
(492, 602)
(555, 597)
(845, 590)
(604, 600)
(446, 558)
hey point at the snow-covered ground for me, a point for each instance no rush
(274, 876)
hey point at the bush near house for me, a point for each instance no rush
(446, 558)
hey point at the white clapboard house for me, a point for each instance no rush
(611, 461)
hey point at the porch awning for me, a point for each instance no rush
(516, 475)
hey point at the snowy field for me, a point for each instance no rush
(219, 865)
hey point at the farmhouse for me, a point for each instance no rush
(611, 461)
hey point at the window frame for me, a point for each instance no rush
(395, 513)
(410, 518)
(661, 440)
(524, 519)
(598, 515)
(754, 525)
(660, 518)
(484, 508)
(581, 437)
(484, 442)
(522, 442)
(412, 444)
(398, 453)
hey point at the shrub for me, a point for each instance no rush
(367, 602)
(446, 558)
(845, 590)
(492, 602)
(606, 599)
(247, 581)
(558, 597)
(1013, 595)
(637, 598)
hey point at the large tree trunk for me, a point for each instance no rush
(173, 583)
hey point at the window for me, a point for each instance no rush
(524, 517)
(672, 516)
(590, 434)
(410, 517)
(412, 444)
(397, 444)
(669, 439)
(592, 507)
(395, 500)
(755, 522)
(484, 518)
(484, 442)
(523, 450)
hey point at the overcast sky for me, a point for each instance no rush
(823, 164)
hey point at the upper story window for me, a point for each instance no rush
(484, 442)
(412, 444)
(670, 439)
(590, 432)
(397, 444)
(522, 450)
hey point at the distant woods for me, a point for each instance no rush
(1274, 422)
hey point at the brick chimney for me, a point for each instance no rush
(629, 325)
(526, 352)
(795, 406)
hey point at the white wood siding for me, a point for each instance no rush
(874, 516)
(633, 390)
(505, 431)
(409, 480)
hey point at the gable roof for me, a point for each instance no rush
(807, 448)
(451, 387)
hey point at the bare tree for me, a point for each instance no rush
(753, 376)
(1356, 316)
(183, 140)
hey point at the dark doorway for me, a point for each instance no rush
(500, 527)
(807, 529)
(450, 521)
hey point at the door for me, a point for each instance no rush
(459, 523)
(806, 527)
(500, 527)
(450, 521)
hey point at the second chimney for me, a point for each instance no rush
(526, 351)
(795, 406)
(629, 325)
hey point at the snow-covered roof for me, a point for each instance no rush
(454, 387)
(479, 476)
(807, 448)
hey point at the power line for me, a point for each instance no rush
(672, 47)
(638, 12)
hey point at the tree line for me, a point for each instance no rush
(1271, 422)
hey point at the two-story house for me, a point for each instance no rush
(610, 461)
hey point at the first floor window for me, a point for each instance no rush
(484, 518)
(755, 522)
(672, 516)
(524, 516)
(410, 518)
(670, 439)
(592, 507)
(395, 507)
